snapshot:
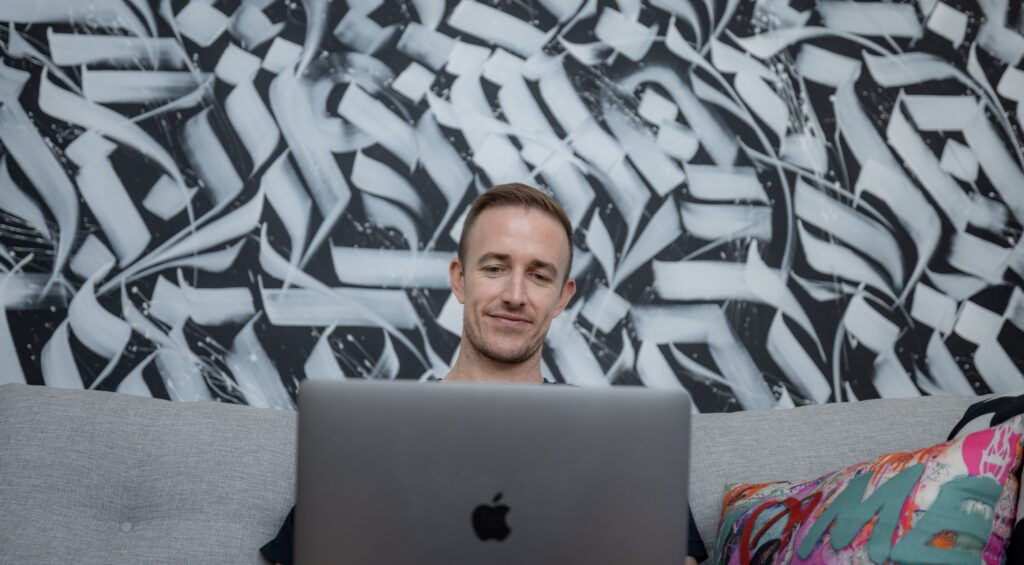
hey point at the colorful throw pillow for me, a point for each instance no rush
(950, 503)
(985, 414)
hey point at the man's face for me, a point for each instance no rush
(511, 285)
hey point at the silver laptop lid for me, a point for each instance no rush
(406, 472)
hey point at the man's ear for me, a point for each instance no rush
(457, 278)
(568, 290)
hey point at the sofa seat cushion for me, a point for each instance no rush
(950, 503)
(95, 477)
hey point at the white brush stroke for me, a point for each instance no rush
(996, 161)
(600, 243)
(826, 67)
(391, 268)
(360, 33)
(63, 105)
(210, 160)
(73, 49)
(321, 363)
(763, 102)
(605, 308)
(959, 161)
(948, 22)
(385, 213)
(575, 360)
(281, 55)
(441, 161)
(168, 303)
(57, 362)
(165, 199)
(1006, 44)
(723, 221)
(835, 260)
(236, 65)
(945, 376)
(291, 203)
(988, 214)
(870, 328)
(663, 174)
(413, 82)
(663, 228)
(26, 147)
(14, 201)
(891, 380)
(138, 87)
(102, 332)
(933, 308)
(255, 373)
(252, 27)
(715, 136)
(373, 177)
(201, 22)
(853, 227)
(217, 306)
(653, 370)
(107, 197)
(374, 118)
(802, 372)
(297, 121)
(252, 122)
(871, 18)
(939, 113)
(425, 45)
(805, 150)
(305, 307)
(502, 66)
(918, 157)
(493, 25)
(975, 256)
(677, 141)
(626, 35)
(134, 384)
(466, 58)
(90, 257)
(113, 13)
(728, 59)
(724, 184)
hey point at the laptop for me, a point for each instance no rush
(419, 473)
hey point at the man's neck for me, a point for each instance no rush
(471, 366)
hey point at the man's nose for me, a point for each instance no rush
(515, 291)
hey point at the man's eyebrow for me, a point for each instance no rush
(493, 256)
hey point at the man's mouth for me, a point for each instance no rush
(510, 320)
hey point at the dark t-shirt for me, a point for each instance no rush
(281, 548)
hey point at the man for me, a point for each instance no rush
(512, 275)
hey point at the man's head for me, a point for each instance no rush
(512, 273)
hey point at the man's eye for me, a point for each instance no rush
(492, 269)
(542, 278)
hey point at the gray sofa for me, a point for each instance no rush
(94, 477)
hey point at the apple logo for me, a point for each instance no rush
(489, 520)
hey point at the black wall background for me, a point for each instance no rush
(775, 203)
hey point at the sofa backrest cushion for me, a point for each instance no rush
(95, 477)
(803, 443)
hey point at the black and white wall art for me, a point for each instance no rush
(775, 202)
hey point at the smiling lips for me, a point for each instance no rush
(509, 320)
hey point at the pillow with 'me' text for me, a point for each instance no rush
(950, 503)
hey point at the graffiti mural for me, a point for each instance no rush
(775, 203)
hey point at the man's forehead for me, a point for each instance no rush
(516, 232)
